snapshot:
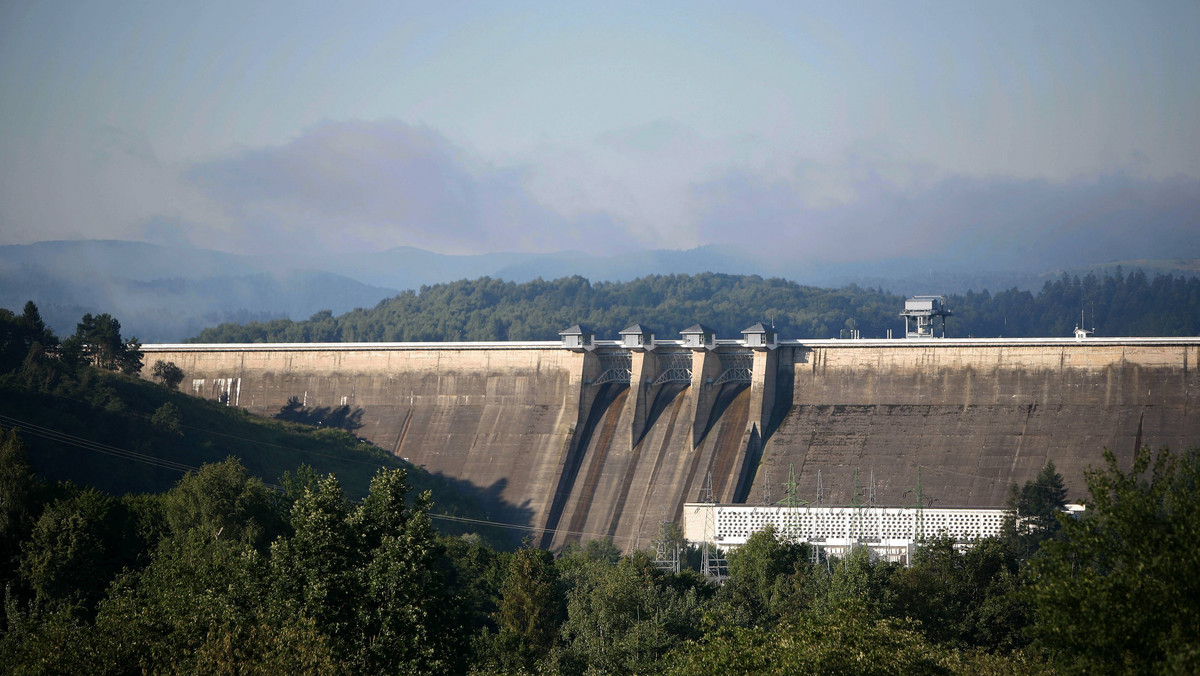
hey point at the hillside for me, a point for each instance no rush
(490, 309)
(122, 434)
(166, 293)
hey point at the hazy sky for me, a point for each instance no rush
(839, 131)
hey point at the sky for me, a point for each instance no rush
(977, 134)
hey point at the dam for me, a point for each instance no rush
(581, 438)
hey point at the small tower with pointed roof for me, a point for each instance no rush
(637, 337)
(760, 337)
(699, 337)
(578, 338)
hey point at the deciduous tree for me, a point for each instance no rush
(168, 373)
(1117, 592)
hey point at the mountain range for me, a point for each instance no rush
(167, 293)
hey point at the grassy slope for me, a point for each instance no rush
(102, 407)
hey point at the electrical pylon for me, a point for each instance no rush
(666, 549)
(712, 564)
(919, 530)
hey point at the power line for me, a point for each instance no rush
(532, 529)
(227, 435)
(94, 446)
(31, 429)
(64, 438)
(371, 462)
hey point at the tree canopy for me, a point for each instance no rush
(222, 575)
(491, 309)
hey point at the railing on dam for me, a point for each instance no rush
(721, 343)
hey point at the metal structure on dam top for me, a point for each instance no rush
(738, 367)
(674, 367)
(615, 367)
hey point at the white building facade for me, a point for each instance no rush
(889, 533)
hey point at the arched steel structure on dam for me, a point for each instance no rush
(585, 438)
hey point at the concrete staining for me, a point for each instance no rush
(977, 417)
(525, 428)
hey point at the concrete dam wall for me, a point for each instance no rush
(611, 440)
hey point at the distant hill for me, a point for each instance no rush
(490, 309)
(164, 294)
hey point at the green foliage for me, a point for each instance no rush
(358, 589)
(1118, 591)
(1034, 510)
(848, 640)
(475, 573)
(767, 579)
(98, 341)
(372, 578)
(168, 373)
(17, 500)
(23, 337)
(532, 607)
(853, 579)
(625, 618)
(490, 309)
(167, 419)
(222, 501)
(962, 598)
(183, 583)
(77, 546)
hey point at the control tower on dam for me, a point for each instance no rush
(584, 438)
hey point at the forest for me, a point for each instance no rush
(491, 309)
(222, 574)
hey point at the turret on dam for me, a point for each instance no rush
(584, 438)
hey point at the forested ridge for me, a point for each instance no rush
(491, 309)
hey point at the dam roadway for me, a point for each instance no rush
(610, 440)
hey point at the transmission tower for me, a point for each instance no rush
(857, 501)
(712, 563)
(666, 547)
(819, 520)
(766, 494)
(791, 503)
(919, 531)
(791, 497)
